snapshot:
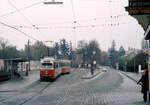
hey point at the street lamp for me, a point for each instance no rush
(52, 2)
(94, 52)
(93, 62)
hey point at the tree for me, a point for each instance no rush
(88, 52)
(38, 50)
(57, 53)
(70, 51)
(113, 54)
(64, 48)
(7, 51)
(93, 46)
(104, 58)
(121, 51)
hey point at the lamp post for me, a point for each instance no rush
(125, 66)
(93, 62)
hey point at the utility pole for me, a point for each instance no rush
(28, 68)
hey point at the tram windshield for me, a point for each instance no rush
(47, 65)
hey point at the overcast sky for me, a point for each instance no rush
(103, 20)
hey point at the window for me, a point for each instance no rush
(47, 65)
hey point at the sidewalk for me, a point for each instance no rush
(16, 84)
(88, 75)
(134, 76)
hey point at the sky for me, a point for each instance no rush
(74, 20)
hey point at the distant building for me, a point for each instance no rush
(132, 52)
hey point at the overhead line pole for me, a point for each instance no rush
(28, 67)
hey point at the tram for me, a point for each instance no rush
(50, 68)
(65, 66)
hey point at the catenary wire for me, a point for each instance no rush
(27, 7)
(19, 31)
(21, 13)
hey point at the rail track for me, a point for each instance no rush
(36, 93)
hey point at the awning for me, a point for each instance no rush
(16, 60)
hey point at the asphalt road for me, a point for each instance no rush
(108, 88)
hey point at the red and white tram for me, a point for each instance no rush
(50, 68)
(65, 66)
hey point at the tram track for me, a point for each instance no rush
(71, 81)
(30, 88)
(85, 95)
(36, 93)
(62, 99)
(67, 91)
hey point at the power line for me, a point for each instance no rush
(77, 26)
(12, 12)
(18, 31)
(86, 20)
(21, 13)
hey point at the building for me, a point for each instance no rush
(140, 9)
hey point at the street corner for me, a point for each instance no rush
(133, 76)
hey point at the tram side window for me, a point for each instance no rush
(56, 65)
(62, 64)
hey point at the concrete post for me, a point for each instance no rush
(148, 72)
(149, 68)
(139, 69)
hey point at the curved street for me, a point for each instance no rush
(107, 88)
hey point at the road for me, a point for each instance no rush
(108, 88)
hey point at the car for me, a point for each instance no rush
(104, 70)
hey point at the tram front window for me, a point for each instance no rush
(47, 65)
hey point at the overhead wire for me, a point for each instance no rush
(25, 34)
(28, 20)
(27, 7)
(74, 20)
(87, 20)
(72, 27)
(20, 13)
